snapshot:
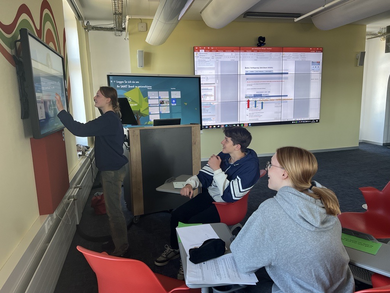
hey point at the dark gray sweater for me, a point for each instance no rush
(109, 138)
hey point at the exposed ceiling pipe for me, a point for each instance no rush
(219, 13)
(384, 35)
(348, 12)
(117, 11)
(88, 27)
(75, 6)
(165, 20)
(317, 10)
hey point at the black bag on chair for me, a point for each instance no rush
(211, 248)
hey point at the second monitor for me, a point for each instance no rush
(168, 121)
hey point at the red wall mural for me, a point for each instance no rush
(46, 29)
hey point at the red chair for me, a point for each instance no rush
(232, 213)
(119, 275)
(376, 220)
(380, 284)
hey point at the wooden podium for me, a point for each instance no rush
(155, 154)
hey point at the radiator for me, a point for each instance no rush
(39, 268)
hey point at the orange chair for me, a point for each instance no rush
(376, 220)
(119, 275)
(232, 213)
(380, 284)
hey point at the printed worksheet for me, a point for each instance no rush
(221, 270)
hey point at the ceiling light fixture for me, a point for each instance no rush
(271, 15)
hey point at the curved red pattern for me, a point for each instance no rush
(50, 35)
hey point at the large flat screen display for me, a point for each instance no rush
(160, 96)
(41, 75)
(259, 85)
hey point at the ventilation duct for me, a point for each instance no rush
(219, 13)
(348, 12)
(165, 20)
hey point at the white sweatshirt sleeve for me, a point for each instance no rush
(194, 182)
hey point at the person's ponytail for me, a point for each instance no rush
(301, 165)
(328, 198)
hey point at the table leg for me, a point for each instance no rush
(205, 290)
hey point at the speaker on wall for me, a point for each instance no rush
(360, 58)
(140, 58)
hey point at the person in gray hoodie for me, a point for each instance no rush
(296, 235)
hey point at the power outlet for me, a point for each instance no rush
(142, 27)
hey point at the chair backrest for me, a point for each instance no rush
(378, 201)
(119, 275)
(376, 220)
(385, 289)
(380, 280)
(380, 284)
(233, 213)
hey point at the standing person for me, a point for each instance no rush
(295, 237)
(110, 161)
(226, 178)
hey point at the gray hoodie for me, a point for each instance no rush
(298, 244)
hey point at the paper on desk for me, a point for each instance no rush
(218, 271)
(194, 236)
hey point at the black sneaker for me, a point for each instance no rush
(166, 256)
(180, 273)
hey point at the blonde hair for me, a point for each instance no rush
(301, 165)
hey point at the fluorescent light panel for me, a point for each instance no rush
(271, 15)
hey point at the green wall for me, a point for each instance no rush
(341, 78)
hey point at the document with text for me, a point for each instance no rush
(218, 271)
(194, 236)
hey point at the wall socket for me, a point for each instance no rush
(142, 27)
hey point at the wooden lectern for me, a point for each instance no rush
(156, 154)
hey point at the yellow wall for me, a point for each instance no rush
(341, 79)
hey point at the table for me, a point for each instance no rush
(379, 263)
(169, 188)
(168, 184)
(224, 233)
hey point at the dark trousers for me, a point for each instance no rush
(199, 209)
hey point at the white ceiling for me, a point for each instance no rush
(101, 10)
